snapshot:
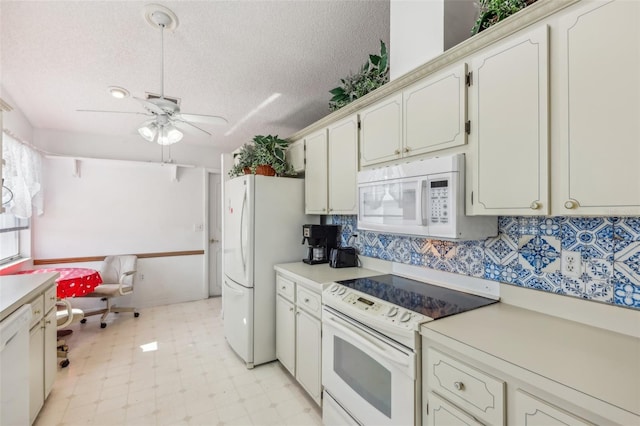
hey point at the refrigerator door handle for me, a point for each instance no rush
(242, 211)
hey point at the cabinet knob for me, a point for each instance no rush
(458, 385)
(47, 322)
(36, 311)
(290, 309)
(570, 204)
(330, 210)
(52, 298)
(283, 287)
(535, 205)
(407, 149)
(397, 152)
(306, 300)
(324, 210)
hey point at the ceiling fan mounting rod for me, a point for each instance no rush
(162, 60)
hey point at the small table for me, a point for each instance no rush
(72, 282)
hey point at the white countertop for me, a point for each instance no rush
(595, 361)
(323, 273)
(16, 290)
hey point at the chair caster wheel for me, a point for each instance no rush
(136, 314)
(83, 321)
(64, 363)
(103, 325)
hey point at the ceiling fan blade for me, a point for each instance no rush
(204, 119)
(150, 106)
(181, 123)
(116, 112)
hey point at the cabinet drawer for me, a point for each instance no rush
(309, 301)
(285, 287)
(49, 298)
(37, 310)
(477, 393)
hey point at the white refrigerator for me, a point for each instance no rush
(263, 218)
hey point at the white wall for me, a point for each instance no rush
(416, 34)
(422, 29)
(119, 207)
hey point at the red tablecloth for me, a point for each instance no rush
(72, 282)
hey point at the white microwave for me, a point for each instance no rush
(424, 198)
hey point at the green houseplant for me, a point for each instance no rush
(264, 156)
(244, 161)
(493, 11)
(270, 156)
(372, 75)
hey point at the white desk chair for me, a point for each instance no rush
(64, 317)
(117, 274)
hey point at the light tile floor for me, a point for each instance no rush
(193, 378)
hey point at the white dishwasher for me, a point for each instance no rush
(14, 367)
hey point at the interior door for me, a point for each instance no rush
(215, 231)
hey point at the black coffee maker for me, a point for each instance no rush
(321, 239)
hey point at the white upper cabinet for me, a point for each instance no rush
(343, 166)
(508, 101)
(435, 112)
(331, 169)
(425, 117)
(315, 182)
(597, 99)
(295, 155)
(381, 131)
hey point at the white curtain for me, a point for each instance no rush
(22, 173)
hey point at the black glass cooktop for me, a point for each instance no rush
(426, 299)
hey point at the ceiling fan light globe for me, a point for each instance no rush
(148, 131)
(169, 135)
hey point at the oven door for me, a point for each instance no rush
(372, 377)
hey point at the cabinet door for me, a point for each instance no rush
(286, 334)
(509, 127)
(295, 155)
(343, 167)
(315, 177)
(381, 131)
(443, 413)
(36, 371)
(50, 351)
(308, 361)
(435, 112)
(531, 411)
(598, 98)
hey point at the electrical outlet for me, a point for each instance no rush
(571, 263)
(141, 277)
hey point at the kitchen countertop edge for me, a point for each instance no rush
(16, 290)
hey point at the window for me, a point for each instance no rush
(21, 193)
(10, 227)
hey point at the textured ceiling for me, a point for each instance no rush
(225, 58)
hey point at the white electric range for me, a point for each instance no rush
(371, 346)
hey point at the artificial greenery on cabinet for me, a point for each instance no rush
(493, 11)
(265, 155)
(373, 74)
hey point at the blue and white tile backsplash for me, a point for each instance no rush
(527, 252)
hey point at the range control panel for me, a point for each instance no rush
(346, 299)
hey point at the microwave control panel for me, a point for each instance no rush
(439, 193)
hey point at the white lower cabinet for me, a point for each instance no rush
(36, 371)
(308, 350)
(532, 411)
(42, 350)
(286, 333)
(298, 333)
(442, 412)
(458, 389)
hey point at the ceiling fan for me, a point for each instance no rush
(167, 119)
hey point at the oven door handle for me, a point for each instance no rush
(366, 341)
